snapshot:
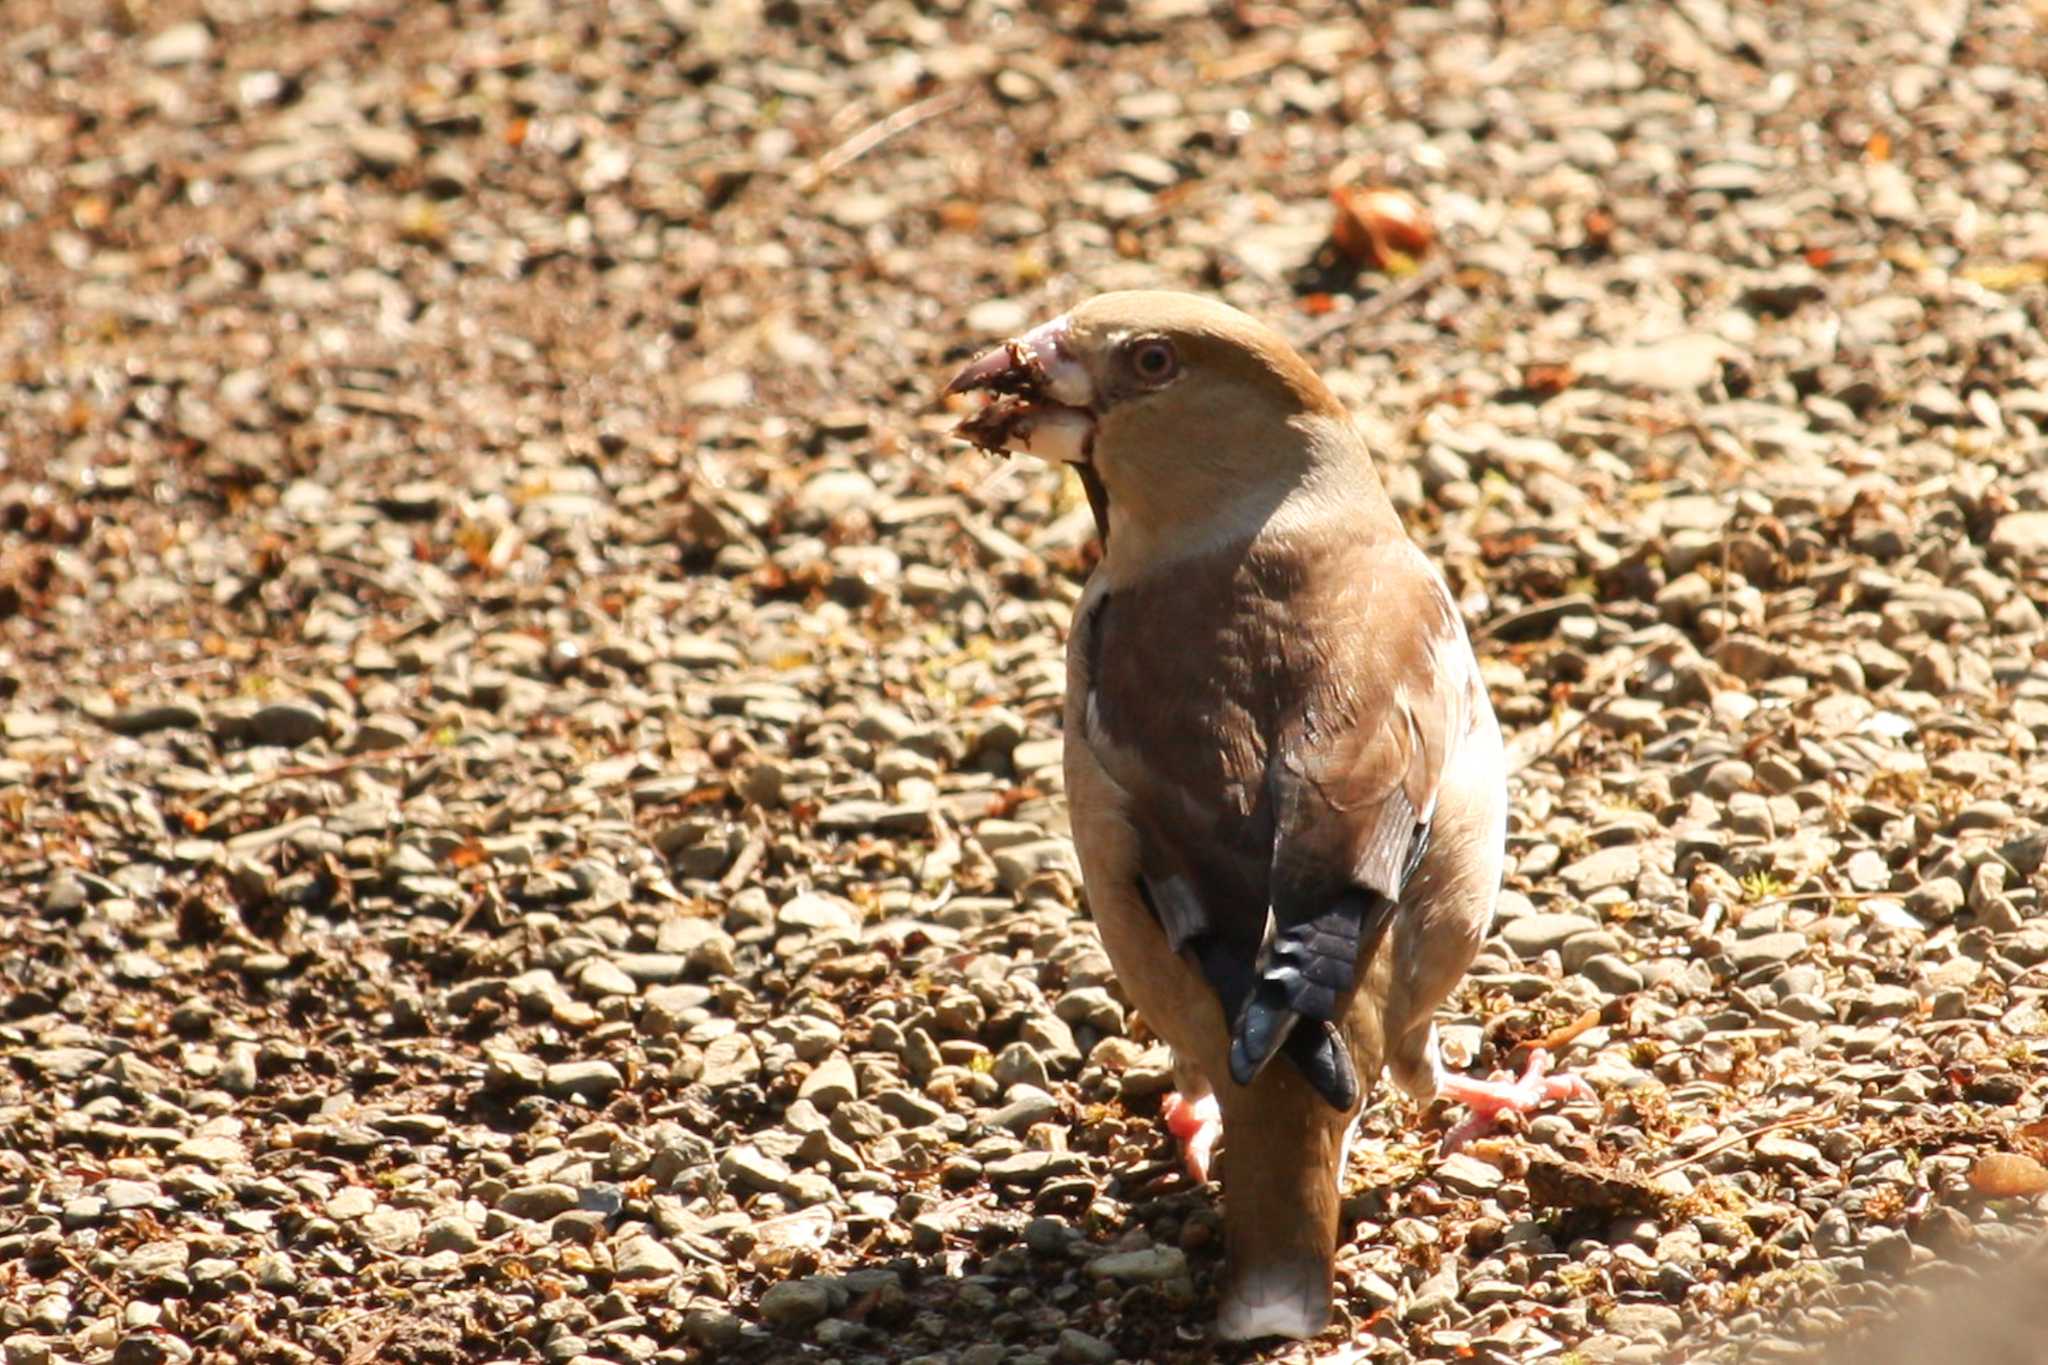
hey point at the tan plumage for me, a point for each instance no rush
(1286, 782)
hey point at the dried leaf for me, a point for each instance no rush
(2006, 276)
(2001, 1175)
(1547, 379)
(1381, 229)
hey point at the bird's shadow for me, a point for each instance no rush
(1327, 271)
(1020, 1264)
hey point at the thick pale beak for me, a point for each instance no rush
(1043, 401)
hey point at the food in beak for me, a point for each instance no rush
(1041, 397)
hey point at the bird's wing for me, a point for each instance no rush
(1281, 718)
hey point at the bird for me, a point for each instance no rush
(1286, 784)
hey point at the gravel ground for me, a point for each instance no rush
(529, 771)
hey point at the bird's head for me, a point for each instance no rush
(1175, 407)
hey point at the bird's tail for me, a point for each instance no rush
(1307, 973)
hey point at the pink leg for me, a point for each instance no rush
(1489, 1099)
(1197, 1123)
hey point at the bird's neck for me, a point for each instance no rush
(1328, 498)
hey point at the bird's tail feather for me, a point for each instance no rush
(1308, 970)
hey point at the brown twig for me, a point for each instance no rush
(1726, 530)
(196, 668)
(70, 1258)
(1798, 896)
(1558, 1038)
(1380, 304)
(750, 855)
(1616, 685)
(1737, 1139)
(348, 568)
(879, 132)
(371, 1346)
(277, 660)
(339, 766)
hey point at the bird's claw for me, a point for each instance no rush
(1500, 1094)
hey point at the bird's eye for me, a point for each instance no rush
(1154, 361)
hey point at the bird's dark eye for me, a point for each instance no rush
(1153, 361)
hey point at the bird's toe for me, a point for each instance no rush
(1196, 1124)
(1489, 1099)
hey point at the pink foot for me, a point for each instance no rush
(1197, 1124)
(1489, 1099)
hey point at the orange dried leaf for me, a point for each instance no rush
(1008, 800)
(1380, 228)
(2001, 1175)
(959, 215)
(475, 544)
